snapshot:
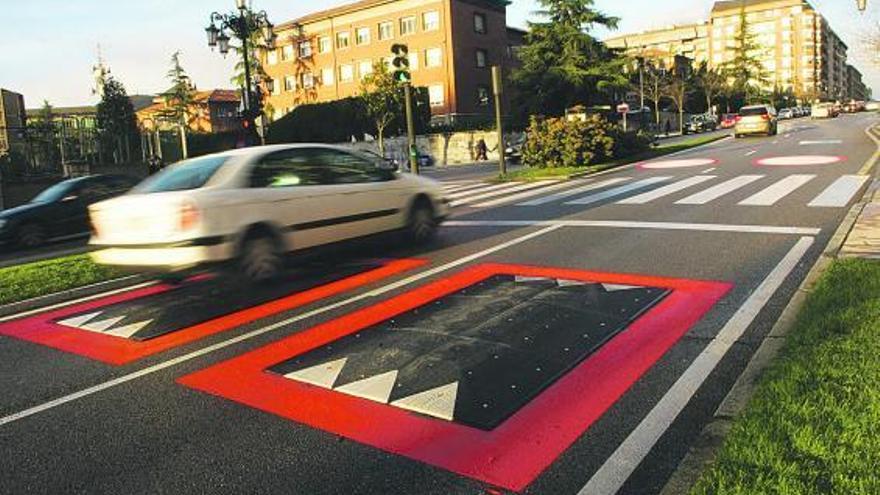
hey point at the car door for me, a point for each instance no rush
(71, 213)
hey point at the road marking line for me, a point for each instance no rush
(260, 331)
(611, 476)
(752, 152)
(573, 192)
(483, 189)
(708, 170)
(513, 189)
(666, 190)
(465, 187)
(869, 165)
(839, 192)
(698, 227)
(524, 195)
(718, 190)
(820, 141)
(773, 193)
(438, 402)
(43, 309)
(618, 191)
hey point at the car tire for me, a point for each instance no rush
(31, 235)
(260, 259)
(421, 224)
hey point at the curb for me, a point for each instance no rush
(71, 295)
(705, 448)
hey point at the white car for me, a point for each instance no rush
(251, 206)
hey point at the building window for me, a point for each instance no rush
(435, 95)
(272, 57)
(289, 83)
(308, 80)
(346, 73)
(407, 25)
(482, 96)
(481, 57)
(365, 68)
(431, 20)
(324, 44)
(305, 49)
(327, 76)
(287, 52)
(413, 61)
(480, 23)
(386, 30)
(343, 40)
(433, 57)
(362, 36)
(276, 88)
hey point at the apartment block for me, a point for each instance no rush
(12, 122)
(797, 47)
(452, 45)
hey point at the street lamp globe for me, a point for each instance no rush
(241, 4)
(223, 41)
(268, 33)
(212, 33)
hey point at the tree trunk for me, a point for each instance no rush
(381, 132)
(681, 118)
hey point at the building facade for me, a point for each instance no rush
(12, 122)
(211, 111)
(452, 45)
(798, 49)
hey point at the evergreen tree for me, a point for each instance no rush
(116, 121)
(180, 96)
(745, 70)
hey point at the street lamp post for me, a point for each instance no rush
(242, 25)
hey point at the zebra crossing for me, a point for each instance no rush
(753, 190)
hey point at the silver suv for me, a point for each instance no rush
(756, 119)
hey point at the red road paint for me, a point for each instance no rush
(42, 329)
(798, 161)
(519, 449)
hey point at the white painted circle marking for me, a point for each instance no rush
(689, 162)
(799, 160)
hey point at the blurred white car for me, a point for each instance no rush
(253, 205)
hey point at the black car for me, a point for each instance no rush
(700, 123)
(59, 212)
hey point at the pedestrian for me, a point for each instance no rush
(668, 127)
(482, 150)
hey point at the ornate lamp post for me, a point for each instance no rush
(242, 25)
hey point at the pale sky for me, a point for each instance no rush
(47, 47)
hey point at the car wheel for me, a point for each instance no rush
(421, 225)
(260, 259)
(31, 235)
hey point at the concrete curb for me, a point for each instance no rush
(71, 294)
(705, 448)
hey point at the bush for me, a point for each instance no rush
(631, 143)
(556, 142)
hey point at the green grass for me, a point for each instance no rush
(533, 174)
(813, 426)
(21, 282)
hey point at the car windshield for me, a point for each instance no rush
(186, 175)
(750, 111)
(54, 193)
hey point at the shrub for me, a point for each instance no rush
(556, 142)
(631, 143)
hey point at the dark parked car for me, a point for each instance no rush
(59, 212)
(700, 123)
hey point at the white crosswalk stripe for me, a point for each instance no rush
(527, 194)
(618, 191)
(492, 194)
(782, 188)
(573, 192)
(484, 188)
(462, 187)
(840, 192)
(666, 190)
(718, 190)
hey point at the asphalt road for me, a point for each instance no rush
(556, 339)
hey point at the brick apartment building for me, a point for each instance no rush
(452, 44)
(799, 50)
(211, 111)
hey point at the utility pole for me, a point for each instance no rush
(410, 129)
(497, 90)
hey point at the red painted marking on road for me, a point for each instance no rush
(798, 160)
(683, 163)
(517, 451)
(42, 329)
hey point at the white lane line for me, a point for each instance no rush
(478, 190)
(573, 192)
(625, 224)
(260, 331)
(666, 190)
(820, 141)
(44, 309)
(526, 194)
(708, 170)
(773, 193)
(620, 465)
(718, 190)
(501, 192)
(839, 193)
(618, 191)
(752, 152)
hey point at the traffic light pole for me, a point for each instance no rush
(497, 89)
(410, 130)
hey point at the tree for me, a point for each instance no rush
(713, 83)
(116, 120)
(745, 70)
(383, 99)
(677, 87)
(178, 99)
(561, 63)
(42, 135)
(655, 76)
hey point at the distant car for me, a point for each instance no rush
(728, 120)
(59, 212)
(700, 123)
(251, 206)
(514, 149)
(786, 113)
(756, 119)
(872, 106)
(823, 111)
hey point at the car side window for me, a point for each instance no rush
(289, 168)
(94, 191)
(350, 168)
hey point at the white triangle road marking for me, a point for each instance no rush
(77, 321)
(322, 375)
(377, 388)
(438, 402)
(128, 330)
(570, 283)
(100, 326)
(521, 278)
(618, 287)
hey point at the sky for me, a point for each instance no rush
(48, 47)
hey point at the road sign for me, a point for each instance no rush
(623, 108)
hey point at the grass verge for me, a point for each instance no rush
(813, 426)
(29, 280)
(533, 174)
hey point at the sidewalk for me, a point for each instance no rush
(864, 239)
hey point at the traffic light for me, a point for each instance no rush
(401, 63)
